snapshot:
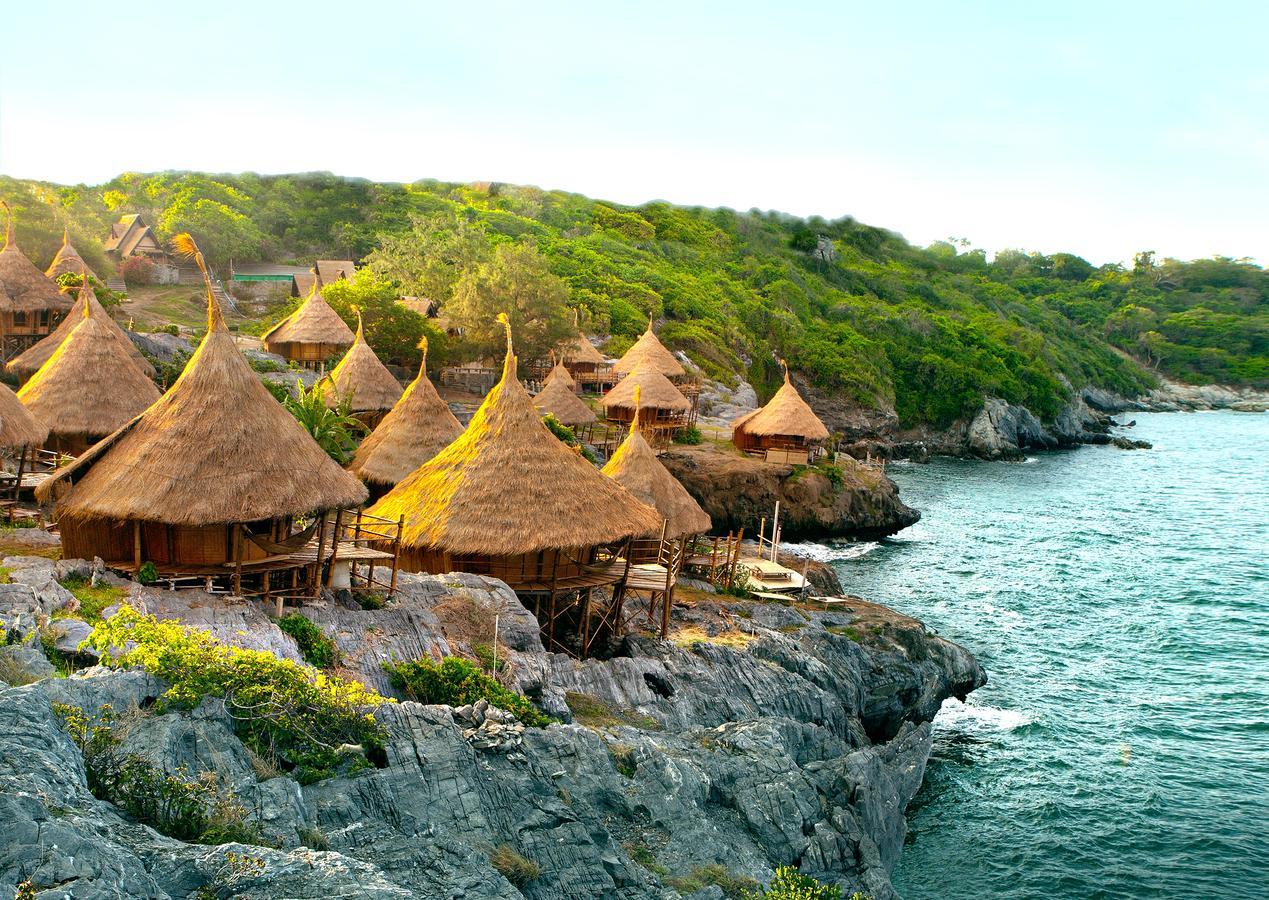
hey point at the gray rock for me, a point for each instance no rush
(160, 345)
(22, 663)
(1002, 430)
(69, 634)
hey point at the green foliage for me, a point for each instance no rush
(457, 682)
(790, 884)
(734, 887)
(316, 648)
(568, 436)
(335, 430)
(514, 866)
(278, 389)
(197, 808)
(25, 891)
(392, 329)
(93, 600)
(282, 710)
(690, 435)
(148, 573)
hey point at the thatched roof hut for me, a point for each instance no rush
(786, 422)
(582, 352)
(24, 289)
(67, 259)
(636, 468)
(648, 352)
(26, 363)
(559, 398)
(216, 450)
(311, 333)
(88, 387)
(508, 498)
(18, 427)
(649, 393)
(362, 380)
(417, 428)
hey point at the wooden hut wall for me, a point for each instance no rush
(35, 323)
(84, 539)
(163, 545)
(524, 569)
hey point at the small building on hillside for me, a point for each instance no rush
(30, 302)
(651, 399)
(311, 334)
(131, 238)
(329, 270)
(786, 430)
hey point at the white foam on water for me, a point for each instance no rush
(969, 718)
(831, 552)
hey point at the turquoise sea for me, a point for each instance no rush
(1119, 601)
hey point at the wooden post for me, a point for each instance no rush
(136, 544)
(775, 532)
(396, 555)
(17, 487)
(334, 548)
(321, 543)
(237, 533)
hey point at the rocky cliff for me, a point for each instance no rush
(738, 491)
(761, 735)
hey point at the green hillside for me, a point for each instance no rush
(860, 311)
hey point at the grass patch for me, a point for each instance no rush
(514, 866)
(692, 634)
(734, 887)
(456, 682)
(623, 757)
(846, 631)
(92, 600)
(593, 712)
(5, 572)
(646, 858)
(791, 629)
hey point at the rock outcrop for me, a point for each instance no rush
(738, 491)
(761, 735)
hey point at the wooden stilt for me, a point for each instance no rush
(316, 578)
(238, 542)
(334, 548)
(396, 556)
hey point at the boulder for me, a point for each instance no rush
(1002, 431)
(23, 663)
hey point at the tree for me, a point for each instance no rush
(518, 282)
(393, 330)
(430, 258)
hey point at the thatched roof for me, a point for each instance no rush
(558, 398)
(23, 287)
(67, 259)
(361, 379)
(581, 350)
(89, 385)
(649, 352)
(327, 270)
(636, 468)
(216, 448)
(785, 414)
(313, 323)
(18, 428)
(508, 486)
(418, 427)
(657, 392)
(28, 361)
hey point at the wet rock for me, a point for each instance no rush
(1124, 443)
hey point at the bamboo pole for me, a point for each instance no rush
(396, 555)
(334, 548)
(136, 544)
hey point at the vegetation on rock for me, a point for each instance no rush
(316, 648)
(457, 682)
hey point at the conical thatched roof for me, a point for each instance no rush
(785, 414)
(18, 428)
(656, 391)
(24, 288)
(89, 385)
(28, 361)
(558, 398)
(67, 259)
(418, 427)
(649, 352)
(507, 486)
(362, 379)
(313, 323)
(559, 373)
(581, 350)
(216, 448)
(636, 468)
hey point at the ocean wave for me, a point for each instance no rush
(968, 718)
(833, 552)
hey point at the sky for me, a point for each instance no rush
(1095, 128)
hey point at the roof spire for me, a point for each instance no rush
(186, 247)
(317, 281)
(66, 238)
(361, 337)
(509, 361)
(10, 239)
(423, 364)
(649, 323)
(634, 426)
(786, 369)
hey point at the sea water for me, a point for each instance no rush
(1119, 601)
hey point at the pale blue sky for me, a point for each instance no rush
(1099, 128)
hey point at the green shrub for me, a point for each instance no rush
(790, 884)
(148, 573)
(283, 711)
(456, 682)
(197, 809)
(93, 600)
(316, 648)
(515, 867)
(25, 891)
(371, 599)
(690, 435)
(734, 887)
(568, 436)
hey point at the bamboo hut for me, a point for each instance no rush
(636, 468)
(20, 435)
(311, 334)
(67, 259)
(650, 397)
(30, 302)
(208, 480)
(586, 364)
(363, 381)
(509, 500)
(558, 397)
(416, 429)
(25, 364)
(649, 353)
(88, 387)
(786, 430)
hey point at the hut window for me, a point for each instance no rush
(19, 318)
